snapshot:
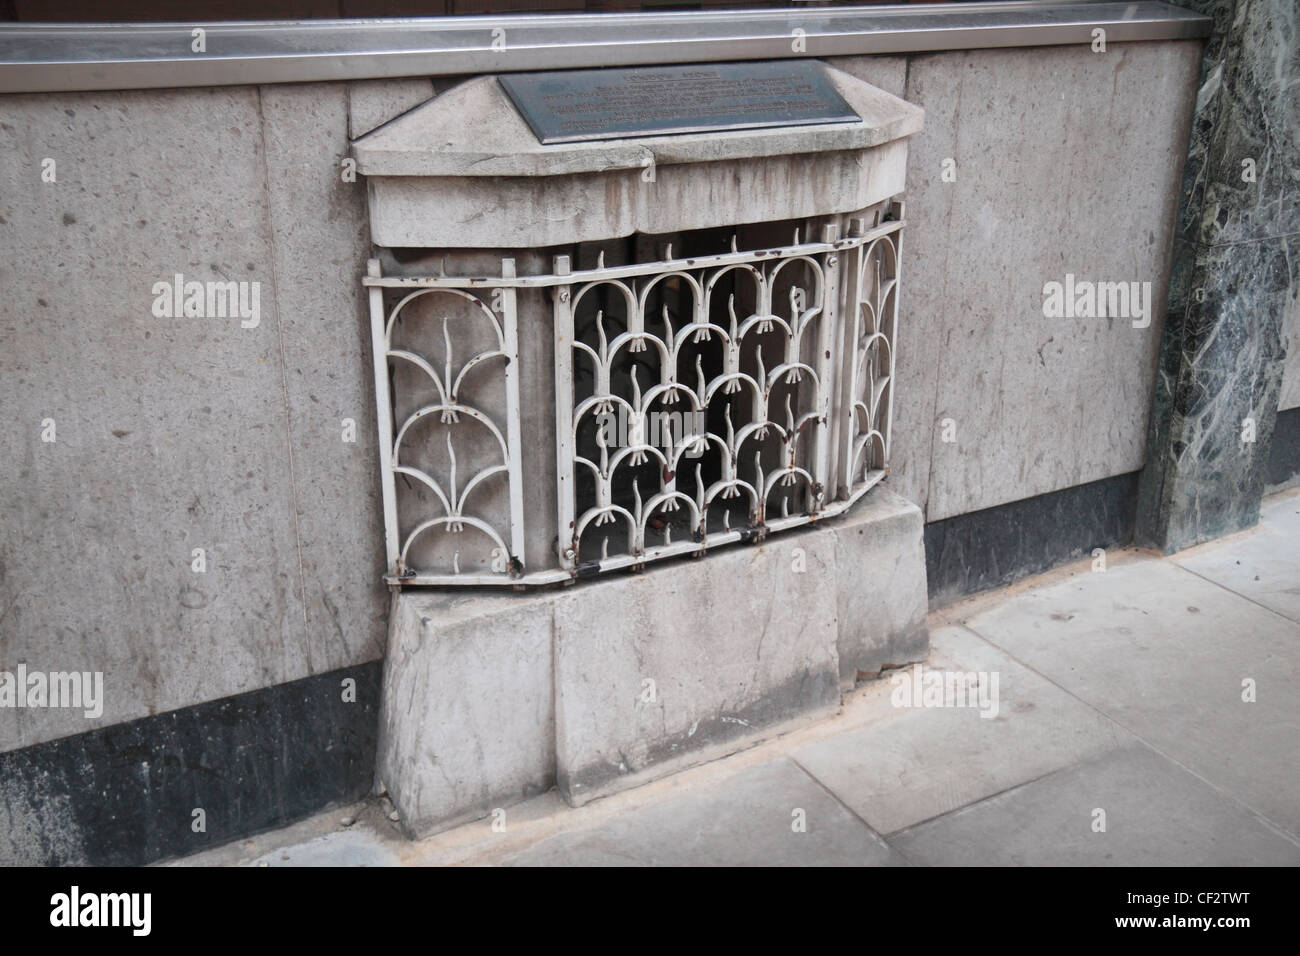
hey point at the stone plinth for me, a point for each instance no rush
(467, 721)
(609, 683)
(665, 669)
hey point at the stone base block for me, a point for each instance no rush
(467, 721)
(682, 664)
(880, 577)
(612, 682)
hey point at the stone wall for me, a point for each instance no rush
(180, 433)
(176, 434)
(1065, 161)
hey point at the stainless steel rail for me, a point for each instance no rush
(38, 57)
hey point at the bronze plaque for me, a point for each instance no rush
(568, 106)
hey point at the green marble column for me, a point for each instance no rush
(1234, 259)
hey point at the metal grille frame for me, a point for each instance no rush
(837, 449)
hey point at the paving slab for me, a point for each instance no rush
(357, 847)
(1156, 814)
(911, 763)
(1263, 565)
(1167, 655)
(746, 820)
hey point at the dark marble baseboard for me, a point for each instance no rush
(996, 546)
(1283, 466)
(125, 795)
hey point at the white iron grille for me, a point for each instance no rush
(698, 402)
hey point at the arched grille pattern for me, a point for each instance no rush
(698, 402)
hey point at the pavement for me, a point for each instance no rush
(1132, 709)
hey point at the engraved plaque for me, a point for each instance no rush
(568, 106)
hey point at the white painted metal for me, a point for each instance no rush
(563, 327)
(505, 559)
(824, 490)
(383, 406)
(829, 349)
(514, 439)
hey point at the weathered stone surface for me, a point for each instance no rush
(1157, 814)
(744, 820)
(1263, 565)
(372, 103)
(681, 664)
(125, 795)
(889, 73)
(449, 211)
(1143, 664)
(185, 432)
(907, 763)
(435, 173)
(880, 580)
(475, 130)
(171, 433)
(649, 673)
(1059, 164)
(319, 248)
(467, 720)
(997, 546)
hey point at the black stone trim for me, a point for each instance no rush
(1284, 449)
(996, 546)
(125, 794)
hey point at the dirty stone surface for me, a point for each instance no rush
(1140, 714)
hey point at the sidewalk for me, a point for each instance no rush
(1119, 702)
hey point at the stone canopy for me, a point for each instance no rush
(465, 171)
